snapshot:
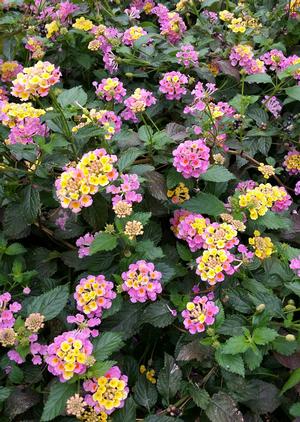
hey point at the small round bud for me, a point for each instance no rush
(216, 344)
(291, 302)
(290, 308)
(127, 253)
(290, 337)
(260, 308)
(129, 75)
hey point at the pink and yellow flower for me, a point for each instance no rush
(198, 314)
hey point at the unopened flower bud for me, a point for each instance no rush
(216, 344)
(291, 302)
(290, 308)
(260, 308)
(290, 337)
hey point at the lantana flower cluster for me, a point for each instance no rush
(243, 55)
(125, 194)
(136, 103)
(142, 281)
(199, 313)
(35, 81)
(173, 85)
(292, 162)
(9, 70)
(76, 185)
(110, 89)
(191, 158)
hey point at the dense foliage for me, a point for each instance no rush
(149, 244)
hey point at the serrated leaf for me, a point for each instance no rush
(199, 396)
(264, 335)
(106, 344)
(145, 393)
(156, 185)
(127, 321)
(31, 204)
(72, 96)
(99, 369)
(294, 287)
(49, 304)
(217, 174)
(232, 363)
(15, 249)
(96, 215)
(194, 350)
(128, 157)
(293, 92)
(168, 381)
(205, 203)
(103, 242)
(158, 314)
(127, 413)
(184, 252)
(5, 393)
(142, 217)
(56, 402)
(223, 408)
(148, 250)
(267, 397)
(259, 78)
(293, 380)
(236, 345)
(274, 221)
(295, 410)
(15, 225)
(253, 359)
(283, 347)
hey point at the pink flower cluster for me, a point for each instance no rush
(243, 56)
(133, 34)
(126, 191)
(274, 59)
(171, 24)
(105, 39)
(85, 325)
(191, 158)
(37, 350)
(9, 70)
(107, 390)
(94, 294)
(297, 188)
(199, 313)
(191, 229)
(84, 243)
(246, 185)
(69, 354)
(35, 81)
(36, 47)
(273, 105)
(24, 132)
(292, 162)
(283, 204)
(137, 103)
(62, 11)
(110, 89)
(7, 311)
(110, 122)
(295, 265)
(142, 281)
(201, 97)
(172, 84)
(187, 56)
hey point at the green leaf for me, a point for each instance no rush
(145, 393)
(264, 335)
(205, 203)
(274, 221)
(259, 78)
(103, 242)
(106, 344)
(294, 287)
(253, 359)
(142, 217)
(199, 396)
(148, 250)
(293, 92)
(169, 378)
(284, 347)
(217, 174)
(16, 375)
(128, 157)
(99, 369)
(158, 314)
(295, 410)
(127, 321)
(235, 345)
(56, 402)
(267, 397)
(5, 393)
(96, 215)
(232, 363)
(15, 249)
(222, 408)
(15, 225)
(31, 204)
(293, 380)
(127, 413)
(72, 96)
(49, 304)
(184, 252)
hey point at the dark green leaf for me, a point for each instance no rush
(235, 345)
(222, 408)
(72, 96)
(145, 393)
(56, 402)
(264, 335)
(293, 380)
(199, 396)
(158, 314)
(128, 157)
(127, 413)
(205, 203)
(232, 363)
(49, 304)
(103, 242)
(106, 344)
(31, 203)
(217, 174)
(168, 381)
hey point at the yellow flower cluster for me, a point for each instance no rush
(212, 263)
(263, 246)
(260, 199)
(266, 170)
(83, 24)
(52, 29)
(135, 32)
(179, 195)
(96, 168)
(218, 236)
(149, 374)
(70, 355)
(239, 24)
(110, 392)
(14, 113)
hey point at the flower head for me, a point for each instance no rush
(187, 56)
(199, 313)
(292, 162)
(213, 264)
(34, 322)
(76, 406)
(9, 70)
(133, 228)
(133, 34)
(191, 158)
(263, 246)
(172, 84)
(110, 89)
(142, 281)
(137, 103)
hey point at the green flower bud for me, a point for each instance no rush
(260, 308)
(290, 337)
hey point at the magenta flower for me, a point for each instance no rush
(24, 131)
(69, 354)
(172, 84)
(273, 105)
(110, 89)
(15, 357)
(93, 295)
(187, 56)
(292, 162)
(84, 243)
(191, 158)
(201, 96)
(137, 103)
(283, 204)
(295, 265)
(133, 34)
(198, 314)
(191, 229)
(274, 59)
(142, 281)
(171, 24)
(297, 188)
(127, 190)
(7, 311)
